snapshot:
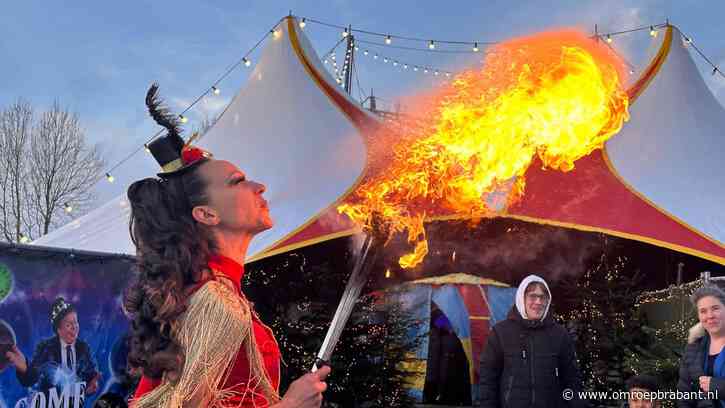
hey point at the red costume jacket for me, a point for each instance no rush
(240, 371)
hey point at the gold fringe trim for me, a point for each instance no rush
(212, 331)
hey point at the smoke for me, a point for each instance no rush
(503, 249)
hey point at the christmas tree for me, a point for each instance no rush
(662, 351)
(297, 293)
(605, 321)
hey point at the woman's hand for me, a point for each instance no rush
(306, 391)
(705, 383)
(17, 358)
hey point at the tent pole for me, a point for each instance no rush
(350, 54)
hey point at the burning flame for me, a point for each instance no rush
(556, 96)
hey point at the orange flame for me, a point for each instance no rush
(556, 96)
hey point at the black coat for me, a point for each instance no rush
(692, 367)
(528, 364)
(47, 358)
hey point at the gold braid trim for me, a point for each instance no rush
(212, 331)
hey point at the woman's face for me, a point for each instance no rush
(235, 202)
(68, 328)
(710, 314)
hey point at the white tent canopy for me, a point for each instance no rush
(672, 150)
(281, 129)
(658, 181)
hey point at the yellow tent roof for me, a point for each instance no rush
(458, 278)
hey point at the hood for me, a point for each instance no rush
(520, 305)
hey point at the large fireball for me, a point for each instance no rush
(556, 96)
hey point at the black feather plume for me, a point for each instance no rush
(160, 113)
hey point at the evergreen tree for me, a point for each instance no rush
(605, 321)
(297, 293)
(662, 351)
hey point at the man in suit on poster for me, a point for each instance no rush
(60, 361)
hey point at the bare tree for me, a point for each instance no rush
(63, 167)
(15, 131)
(50, 168)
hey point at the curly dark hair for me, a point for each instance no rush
(172, 252)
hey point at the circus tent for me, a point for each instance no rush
(295, 129)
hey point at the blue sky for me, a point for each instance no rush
(98, 58)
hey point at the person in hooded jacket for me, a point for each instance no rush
(702, 368)
(529, 360)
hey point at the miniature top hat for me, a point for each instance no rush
(59, 310)
(171, 152)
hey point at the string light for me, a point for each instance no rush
(215, 90)
(68, 207)
(388, 40)
(243, 60)
(431, 45)
(146, 147)
(277, 33)
(23, 239)
(397, 63)
(183, 119)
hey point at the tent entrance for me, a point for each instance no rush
(447, 380)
